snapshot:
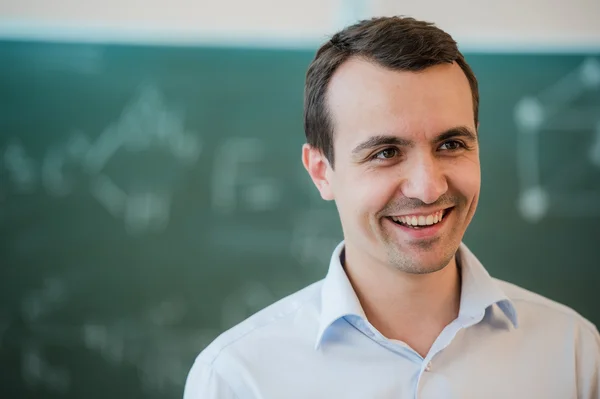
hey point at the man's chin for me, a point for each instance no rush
(420, 259)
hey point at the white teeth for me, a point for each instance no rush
(420, 220)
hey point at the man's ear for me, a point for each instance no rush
(317, 165)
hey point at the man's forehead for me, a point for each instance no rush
(367, 100)
(360, 73)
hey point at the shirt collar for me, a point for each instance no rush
(478, 292)
(338, 298)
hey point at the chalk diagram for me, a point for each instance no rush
(146, 130)
(234, 176)
(160, 351)
(35, 369)
(150, 342)
(153, 341)
(131, 169)
(557, 111)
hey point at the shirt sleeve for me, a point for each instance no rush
(588, 362)
(203, 382)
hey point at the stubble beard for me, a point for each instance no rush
(400, 260)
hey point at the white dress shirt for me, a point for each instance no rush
(506, 342)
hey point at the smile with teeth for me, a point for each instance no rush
(417, 221)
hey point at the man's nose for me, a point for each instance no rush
(423, 179)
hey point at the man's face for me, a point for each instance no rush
(405, 154)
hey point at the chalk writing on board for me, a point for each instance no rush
(153, 341)
(558, 110)
(237, 183)
(37, 371)
(36, 306)
(147, 132)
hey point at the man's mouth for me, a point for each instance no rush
(421, 221)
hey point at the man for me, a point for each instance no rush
(406, 310)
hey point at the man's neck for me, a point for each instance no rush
(412, 308)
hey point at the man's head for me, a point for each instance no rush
(391, 124)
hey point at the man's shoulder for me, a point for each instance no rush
(530, 305)
(277, 319)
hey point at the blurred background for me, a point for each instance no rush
(151, 189)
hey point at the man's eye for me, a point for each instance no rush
(388, 153)
(452, 145)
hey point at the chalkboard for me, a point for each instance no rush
(153, 196)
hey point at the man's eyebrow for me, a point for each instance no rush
(381, 140)
(458, 131)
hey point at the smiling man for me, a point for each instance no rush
(406, 310)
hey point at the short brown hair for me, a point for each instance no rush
(399, 43)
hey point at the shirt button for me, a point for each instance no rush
(428, 367)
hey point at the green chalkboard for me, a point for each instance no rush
(151, 197)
